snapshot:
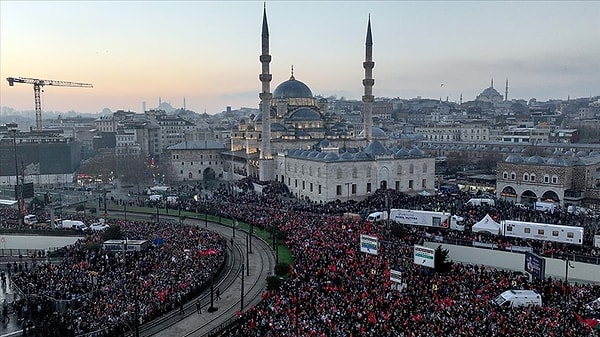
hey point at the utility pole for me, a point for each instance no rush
(242, 291)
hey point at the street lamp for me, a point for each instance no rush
(212, 307)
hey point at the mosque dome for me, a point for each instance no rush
(415, 152)
(536, 160)
(292, 88)
(376, 133)
(347, 156)
(305, 114)
(514, 158)
(555, 161)
(331, 156)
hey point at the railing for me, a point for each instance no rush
(516, 249)
(27, 252)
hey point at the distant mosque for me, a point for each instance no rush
(296, 140)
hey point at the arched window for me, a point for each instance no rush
(424, 167)
(318, 172)
(546, 178)
(525, 176)
(554, 179)
(513, 176)
(354, 172)
(399, 169)
(339, 173)
(532, 177)
(310, 171)
(504, 175)
(368, 172)
(411, 168)
(302, 170)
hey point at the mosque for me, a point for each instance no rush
(297, 141)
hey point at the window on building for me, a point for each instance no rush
(296, 183)
(318, 172)
(397, 185)
(424, 183)
(368, 187)
(527, 230)
(554, 179)
(180, 171)
(546, 178)
(410, 184)
(338, 190)
(554, 233)
(504, 175)
(303, 185)
(311, 187)
(353, 188)
(532, 177)
(540, 232)
(399, 170)
(319, 189)
(513, 176)
(354, 172)
(368, 172)
(424, 167)
(525, 176)
(182, 163)
(411, 168)
(339, 173)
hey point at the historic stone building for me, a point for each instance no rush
(565, 178)
(197, 160)
(328, 173)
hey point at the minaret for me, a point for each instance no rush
(506, 91)
(368, 83)
(492, 83)
(266, 163)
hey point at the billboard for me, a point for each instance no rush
(535, 265)
(369, 244)
(424, 256)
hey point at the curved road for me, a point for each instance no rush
(261, 264)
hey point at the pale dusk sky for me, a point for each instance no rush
(208, 51)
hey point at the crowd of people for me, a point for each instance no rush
(333, 289)
(99, 292)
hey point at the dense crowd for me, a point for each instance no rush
(99, 289)
(333, 289)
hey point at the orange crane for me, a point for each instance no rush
(37, 86)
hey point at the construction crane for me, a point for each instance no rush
(37, 85)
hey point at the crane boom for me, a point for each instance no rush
(37, 85)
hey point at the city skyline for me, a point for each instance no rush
(207, 52)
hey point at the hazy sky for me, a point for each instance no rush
(208, 52)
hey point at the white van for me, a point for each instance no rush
(72, 224)
(377, 216)
(481, 201)
(517, 298)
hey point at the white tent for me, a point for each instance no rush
(487, 225)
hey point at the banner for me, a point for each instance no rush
(369, 244)
(395, 276)
(535, 265)
(424, 256)
(597, 241)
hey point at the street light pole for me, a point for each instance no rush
(247, 255)
(242, 291)
(567, 266)
(212, 307)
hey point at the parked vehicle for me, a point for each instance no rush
(544, 206)
(481, 201)
(427, 219)
(71, 224)
(517, 298)
(542, 231)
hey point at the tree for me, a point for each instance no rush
(441, 262)
(133, 169)
(112, 233)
